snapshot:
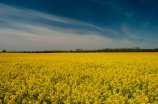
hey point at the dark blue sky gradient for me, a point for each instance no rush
(134, 20)
(94, 11)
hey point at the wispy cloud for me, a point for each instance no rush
(25, 29)
(140, 34)
(13, 15)
(56, 40)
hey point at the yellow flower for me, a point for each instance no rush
(44, 102)
(78, 78)
(24, 101)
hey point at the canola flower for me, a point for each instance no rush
(78, 78)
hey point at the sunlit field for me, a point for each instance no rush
(78, 78)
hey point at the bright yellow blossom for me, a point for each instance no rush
(89, 78)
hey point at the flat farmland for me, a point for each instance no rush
(78, 78)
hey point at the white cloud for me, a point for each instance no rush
(50, 39)
(128, 32)
(30, 36)
(56, 40)
(12, 12)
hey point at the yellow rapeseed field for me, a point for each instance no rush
(78, 78)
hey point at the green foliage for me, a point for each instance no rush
(4, 51)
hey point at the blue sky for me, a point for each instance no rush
(71, 24)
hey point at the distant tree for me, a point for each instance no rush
(4, 51)
(137, 48)
(79, 50)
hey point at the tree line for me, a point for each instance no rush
(135, 49)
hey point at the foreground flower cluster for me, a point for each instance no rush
(84, 78)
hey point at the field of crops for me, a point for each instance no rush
(84, 78)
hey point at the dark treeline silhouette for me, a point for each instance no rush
(135, 49)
